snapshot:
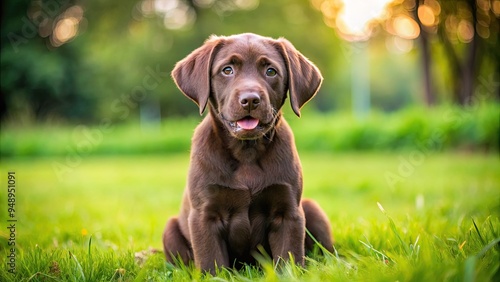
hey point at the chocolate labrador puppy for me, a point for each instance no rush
(245, 179)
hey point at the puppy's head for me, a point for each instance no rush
(246, 78)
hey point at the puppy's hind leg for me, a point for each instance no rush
(174, 243)
(318, 225)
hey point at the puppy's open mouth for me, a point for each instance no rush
(246, 123)
(247, 127)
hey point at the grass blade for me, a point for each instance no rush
(488, 247)
(394, 229)
(377, 252)
(478, 233)
(322, 248)
(91, 263)
(79, 266)
(470, 263)
(469, 271)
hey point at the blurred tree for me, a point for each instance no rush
(424, 38)
(37, 79)
(469, 32)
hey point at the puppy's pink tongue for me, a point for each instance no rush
(248, 123)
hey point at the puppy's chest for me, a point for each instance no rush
(250, 177)
(245, 219)
(240, 208)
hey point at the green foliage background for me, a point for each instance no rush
(84, 79)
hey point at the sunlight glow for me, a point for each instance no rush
(356, 18)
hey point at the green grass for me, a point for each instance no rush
(440, 219)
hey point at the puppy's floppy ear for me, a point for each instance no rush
(304, 78)
(192, 74)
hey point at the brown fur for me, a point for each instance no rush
(244, 186)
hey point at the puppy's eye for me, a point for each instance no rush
(227, 71)
(271, 72)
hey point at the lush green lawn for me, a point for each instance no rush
(86, 222)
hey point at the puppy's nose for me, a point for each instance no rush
(249, 100)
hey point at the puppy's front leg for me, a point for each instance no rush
(209, 249)
(286, 236)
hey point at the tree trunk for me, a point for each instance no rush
(463, 68)
(429, 95)
(467, 80)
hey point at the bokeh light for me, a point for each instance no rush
(465, 31)
(64, 31)
(178, 14)
(426, 15)
(66, 26)
(405, 27)
(60, 28)
(398, 45)
(496, 7)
